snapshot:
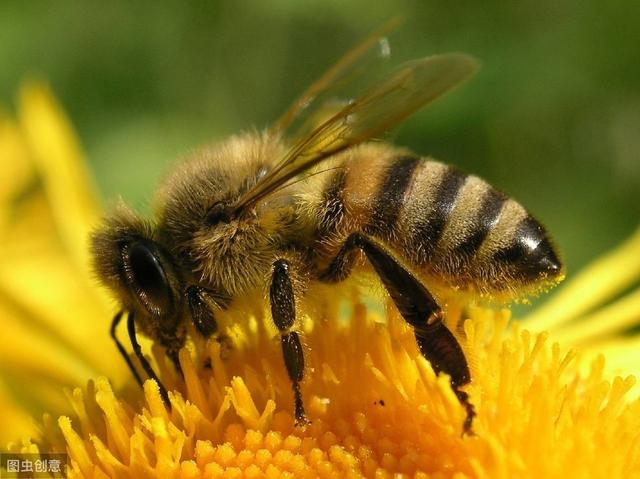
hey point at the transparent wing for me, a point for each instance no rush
(357, 61)
(381, 107)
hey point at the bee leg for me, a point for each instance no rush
(173, 353)
(283, 312)
(420, 309)
(204, 318)
(131, 327)
(201, 314)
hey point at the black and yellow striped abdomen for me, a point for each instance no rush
(437, 219)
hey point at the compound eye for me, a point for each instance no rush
(148, 279)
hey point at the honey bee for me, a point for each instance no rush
(262, 214)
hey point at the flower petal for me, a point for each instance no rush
(16, 171)
(61, 166)
(594, 285)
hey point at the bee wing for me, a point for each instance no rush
(357, 60)
(380, 108)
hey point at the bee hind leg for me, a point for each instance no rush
(283, 312)
(419, 308)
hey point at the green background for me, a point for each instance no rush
(553, 117)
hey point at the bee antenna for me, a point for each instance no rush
(131, 327)
(123, 352)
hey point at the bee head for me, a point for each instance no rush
(139, 271)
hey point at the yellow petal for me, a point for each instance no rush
(610, 320)
(61, 166)
(47, 298)
(49, 309)
(17, 423)
(593, 286)
(16, 171)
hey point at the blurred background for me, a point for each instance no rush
(553, 117)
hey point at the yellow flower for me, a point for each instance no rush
(376, 407)
(49, 307)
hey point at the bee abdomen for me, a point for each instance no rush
(486, 217)
(391, 195)
(364, 193)
(458, 227)
(439, 219)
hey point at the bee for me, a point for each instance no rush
(264, 215)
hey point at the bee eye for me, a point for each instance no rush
(148, 279)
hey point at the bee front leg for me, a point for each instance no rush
(419, 308)
(283, 312)
(200, 301)
(201, 313)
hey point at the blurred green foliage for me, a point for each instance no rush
(553, 117)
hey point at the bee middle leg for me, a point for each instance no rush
(283, 312)
(417, 306)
